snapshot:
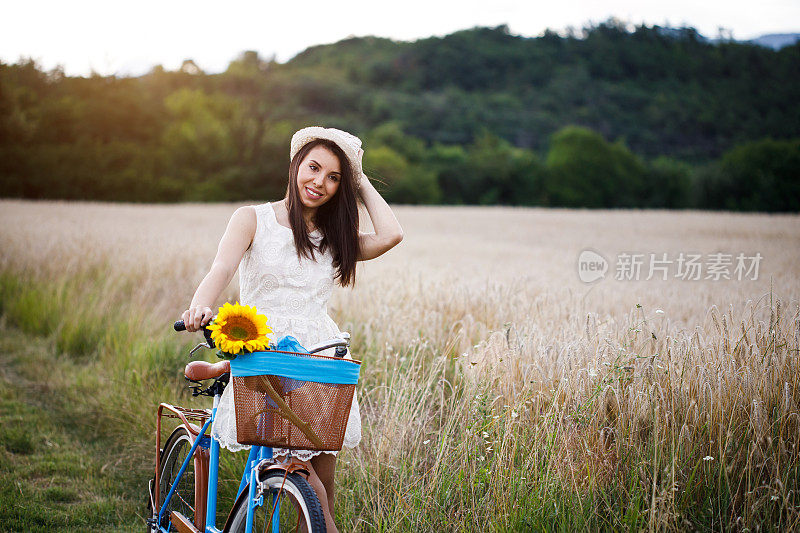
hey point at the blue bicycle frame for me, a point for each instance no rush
(257, 454)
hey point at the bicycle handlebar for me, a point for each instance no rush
(180, 326)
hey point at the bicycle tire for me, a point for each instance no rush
(175, 450)
(299, 504)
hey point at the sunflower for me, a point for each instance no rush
(239, 327)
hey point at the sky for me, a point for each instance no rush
(128, 38)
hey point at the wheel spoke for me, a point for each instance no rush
(185, 503)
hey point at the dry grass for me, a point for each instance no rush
(499, 391)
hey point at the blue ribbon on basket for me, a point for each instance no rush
(296, 369)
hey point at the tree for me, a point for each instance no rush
(585, 170)
(667, 184)
(761, 176)
(405, 182)
(502, 173)
(450, 164)
(198, 139)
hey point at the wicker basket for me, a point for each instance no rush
(281, 411)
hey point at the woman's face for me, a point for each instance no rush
(318, 177)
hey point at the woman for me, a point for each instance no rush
(289, 253)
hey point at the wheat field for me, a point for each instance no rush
(499, 392)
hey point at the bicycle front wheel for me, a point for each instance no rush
(297, 508)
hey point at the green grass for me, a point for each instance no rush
(52, 478)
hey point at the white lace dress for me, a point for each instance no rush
(293, 294)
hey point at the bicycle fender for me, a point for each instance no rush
(241, 500)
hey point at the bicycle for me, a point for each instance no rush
(272, 495)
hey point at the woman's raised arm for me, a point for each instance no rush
(237, 238)
(388, 232)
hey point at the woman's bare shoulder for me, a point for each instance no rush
(244, 220)
(245, 213)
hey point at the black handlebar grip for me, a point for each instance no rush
(180, 326)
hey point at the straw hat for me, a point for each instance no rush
(350, 144)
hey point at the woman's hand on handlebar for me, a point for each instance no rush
(197, 316)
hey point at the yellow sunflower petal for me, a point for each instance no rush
(255, 345)
(240, 327)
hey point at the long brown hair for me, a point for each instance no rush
(337, 218)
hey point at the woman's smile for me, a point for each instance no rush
(312, 194)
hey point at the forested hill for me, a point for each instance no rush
(429, 107)
(666, 91)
